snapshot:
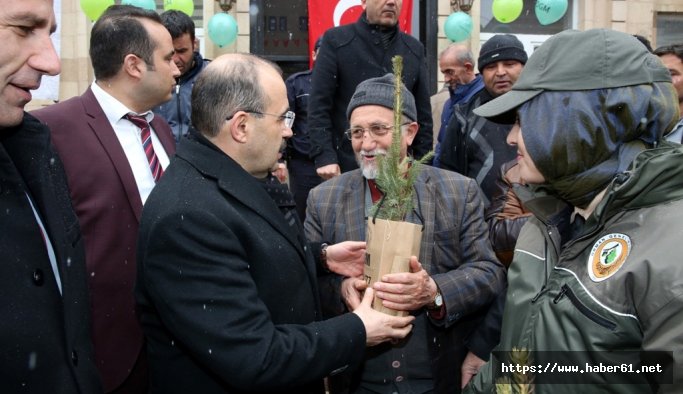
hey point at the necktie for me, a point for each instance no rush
(146, 135)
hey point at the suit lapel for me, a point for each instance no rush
(235, 181)
(49, 196)
(354, 207)
(98, 123)
(164, 134)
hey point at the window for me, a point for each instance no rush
(526, 27)
(669, 29)
(279, 32)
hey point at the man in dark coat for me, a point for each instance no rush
(349, 55)
(472, 145)
(44, 330)
(301, 168)
(226, 285)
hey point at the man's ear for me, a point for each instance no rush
(411, 132)
(133, 65)
(468, 66)
(239, 127)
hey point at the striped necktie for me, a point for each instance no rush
(146, 135)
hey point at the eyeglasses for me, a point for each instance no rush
(288, 117)
(375, 130)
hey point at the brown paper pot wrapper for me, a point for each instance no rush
(389, 247)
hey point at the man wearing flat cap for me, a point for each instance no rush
(596, 280)
(457, 275)
(472, 145)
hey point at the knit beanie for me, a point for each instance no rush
(380, 91)
(501, 47)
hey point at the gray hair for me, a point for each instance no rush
(456, 50)
(225, 87)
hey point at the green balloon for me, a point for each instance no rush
(93, 9)
(146, 4)
(550, 11)
(222, 29)
(458, 26)
(185, 6)
(506, 11)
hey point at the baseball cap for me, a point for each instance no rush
(579, 60)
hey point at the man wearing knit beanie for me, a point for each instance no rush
(457, 275)
(472, 145)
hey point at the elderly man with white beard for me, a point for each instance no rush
(451, 283)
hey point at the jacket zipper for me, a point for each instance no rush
(586, 311)
(180, 118)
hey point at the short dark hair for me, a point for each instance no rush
(178, 23)
(676, 50)
(118, 33)
(220, 92)
(644, 41)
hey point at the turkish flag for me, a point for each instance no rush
(324, 14)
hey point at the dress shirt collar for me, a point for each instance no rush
(113, 108)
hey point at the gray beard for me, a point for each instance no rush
(369, 172)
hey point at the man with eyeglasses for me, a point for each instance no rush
(672, 57)
(114, 150)
(226, 284)
(456, 278)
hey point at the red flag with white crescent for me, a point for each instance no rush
(324, 14)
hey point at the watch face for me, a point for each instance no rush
(438, 300)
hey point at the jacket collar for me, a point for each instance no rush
(197, 67)
(232, 179)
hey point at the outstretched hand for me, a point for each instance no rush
(380, 327)
(346, 258)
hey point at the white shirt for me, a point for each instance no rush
(676, 133)
(129, 136)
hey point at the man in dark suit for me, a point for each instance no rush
(226, 282)
(457, 276)
(44, 337)
(111, 164)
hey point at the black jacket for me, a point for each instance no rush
(349, 55)
(227, 291)
(476, 147)
(44, 336)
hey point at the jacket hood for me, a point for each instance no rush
(656, 176)
(592, 135)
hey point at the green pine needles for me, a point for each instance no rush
(396, 176)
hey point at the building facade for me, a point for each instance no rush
(277, 29)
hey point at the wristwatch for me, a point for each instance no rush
(437, 303)
(323, 257)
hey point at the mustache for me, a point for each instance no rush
(374, 152)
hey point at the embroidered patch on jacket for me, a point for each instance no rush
(608, 254)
